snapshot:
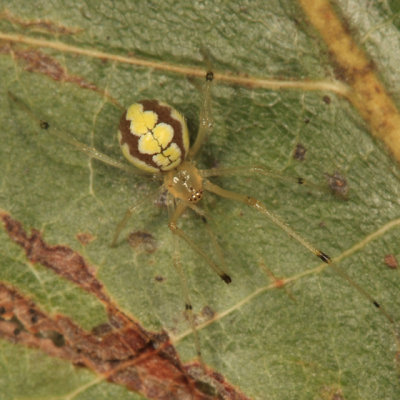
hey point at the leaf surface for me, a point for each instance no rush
(317, 337)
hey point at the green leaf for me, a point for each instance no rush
(317, 337)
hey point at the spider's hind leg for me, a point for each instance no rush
(262, 209)
(179, 232)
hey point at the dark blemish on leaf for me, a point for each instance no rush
(102, 329)
(208, 312)
(17, 331)
(44, 125)
(299, 152)
(85, 238)
(326, 100)
(142, 241)
(391, 261)
(33, 60)
(206, 388)
(338, 184)
(38, 62)
(331, 393)
(34, 319)
(122, 351)
(56, 337)
(39, 25)
(61, 259)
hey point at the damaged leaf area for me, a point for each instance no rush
(121, 350)
(306, 91)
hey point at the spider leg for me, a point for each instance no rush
(257, 205)
(172, 224)
(128, 214)
(205, 119)
(206, 173)
(211, 234)
(188, 303)
(217, 247)
(69, 139)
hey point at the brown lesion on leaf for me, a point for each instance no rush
(338, 184)
(276, 282)
(352, 66)
(299, 153)
(326, 99)
(37, 61)
(142, 242)
(39, 25)
(85, 238)
(333, 392)
(120, 350)
(61, 259)
(390, 261)
(159, 278)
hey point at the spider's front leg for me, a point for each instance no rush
(205, 118)
(69, 139)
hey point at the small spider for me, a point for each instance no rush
(154, 138)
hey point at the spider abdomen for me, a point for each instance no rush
(153, 136)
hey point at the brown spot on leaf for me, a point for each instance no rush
(39, 62)
(85, 238)
(39, 25)
(326, 99)
(120, 350)
(299, 152)
(332, 393)
(338, 184)
(142, 241)
(208, 312)
(61, 259)
(36, 61)
(391, 261)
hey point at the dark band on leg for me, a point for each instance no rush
(209, 76)
(324, 257)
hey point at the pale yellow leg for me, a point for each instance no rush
(206, 173)
(205, 120)
(188, 302)
(128, 214)
(256, 204)
(179, 232)
(67, 138)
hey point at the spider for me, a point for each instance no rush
(154, 137)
